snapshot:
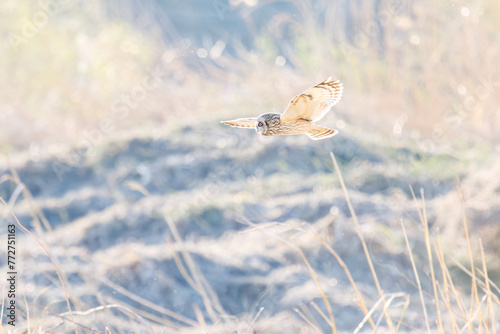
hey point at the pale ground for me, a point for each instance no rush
(203, 224)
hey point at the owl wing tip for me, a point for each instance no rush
(332, 81)
(320, 132)
(241, 122)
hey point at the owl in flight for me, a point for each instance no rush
(300, 115)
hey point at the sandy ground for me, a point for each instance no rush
(206, 231)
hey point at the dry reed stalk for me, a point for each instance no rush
(363, 243)
(420, 291)
(51, 260)
(423, 219)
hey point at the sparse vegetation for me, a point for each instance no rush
(137, 213)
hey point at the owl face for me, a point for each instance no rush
(261, 125)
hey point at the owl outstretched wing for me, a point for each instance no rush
(314, 103)
(242, 122)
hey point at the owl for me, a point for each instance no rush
(300, 115)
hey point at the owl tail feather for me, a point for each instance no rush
(317, 132)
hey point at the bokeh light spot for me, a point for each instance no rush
(280, 61)
(202, 53)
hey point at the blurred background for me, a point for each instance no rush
(160, 218)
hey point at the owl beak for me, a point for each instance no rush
(259, 129)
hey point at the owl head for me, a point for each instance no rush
(261, 124)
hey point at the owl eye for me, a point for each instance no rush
(260, 123)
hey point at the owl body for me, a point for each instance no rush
(273, 126)
(300, 115)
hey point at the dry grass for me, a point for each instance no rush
(445, 309)
(434, 82)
